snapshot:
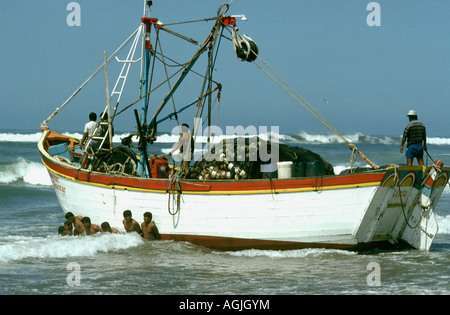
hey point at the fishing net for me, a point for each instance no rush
(242, 158)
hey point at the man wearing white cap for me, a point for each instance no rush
(415, 133)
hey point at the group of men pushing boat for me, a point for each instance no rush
(81, 226)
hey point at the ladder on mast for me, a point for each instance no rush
(101, 134)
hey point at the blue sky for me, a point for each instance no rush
(369, 76)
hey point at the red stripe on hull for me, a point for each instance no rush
(215, 186)
(236, 244)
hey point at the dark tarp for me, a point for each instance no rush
(249, 154)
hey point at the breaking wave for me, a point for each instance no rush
(34, 137)
(300, 138)
(444, 224)
(22, 171)
(296, 253)
(24, 247)
(356, 138)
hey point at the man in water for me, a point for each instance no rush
(76, 221)
(415, 133)
(68, 228)
(108, 229)
(149, 228)
(130, 224)
(90, 228)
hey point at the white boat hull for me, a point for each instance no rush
(351, 212)
(307, 217)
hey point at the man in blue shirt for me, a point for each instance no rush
(415, 133)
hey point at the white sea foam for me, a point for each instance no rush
(34, 137)
(302, 137)
(339, 168)
(29, 172)
(25, 247)
(297, 253)
(444, 224)
(438, 141)
(19, 137)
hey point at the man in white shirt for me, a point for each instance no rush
(89, 128)
(88, 132)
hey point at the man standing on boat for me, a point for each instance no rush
(415, 133)
(89, 129)
(186, 145)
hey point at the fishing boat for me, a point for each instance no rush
(231, 201)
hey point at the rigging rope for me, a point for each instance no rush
(93, 75)
(179, 173)
(311, 110)
(168, 81)
(145, 95)
(396, 167)
(237, 40)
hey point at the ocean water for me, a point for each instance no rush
(35, 260)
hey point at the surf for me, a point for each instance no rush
(302, 138)
(24, 172)
(14, 248)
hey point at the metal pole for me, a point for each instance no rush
(108, 99)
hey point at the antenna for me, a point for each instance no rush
(242, 16)
(147, 4)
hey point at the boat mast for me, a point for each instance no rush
(148, 131)
(108, 105)
(143, 168)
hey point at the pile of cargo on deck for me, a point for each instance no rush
(242, 158)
